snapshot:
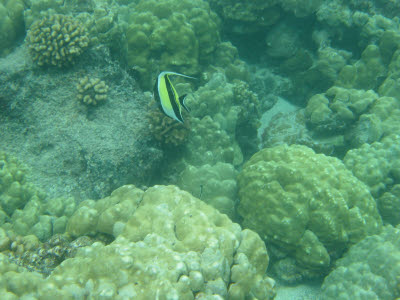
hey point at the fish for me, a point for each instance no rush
(168, 99)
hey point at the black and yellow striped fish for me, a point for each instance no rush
(165, 94)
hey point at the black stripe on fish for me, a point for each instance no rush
(172, 98)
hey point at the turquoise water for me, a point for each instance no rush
(282, 182)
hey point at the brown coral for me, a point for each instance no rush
(167, 131)
(56, 40)
(30, 253)
(92, 91)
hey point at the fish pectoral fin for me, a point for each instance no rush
(182, 102)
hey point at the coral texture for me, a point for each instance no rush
(215, 185)
(369, 270)
(171, 245)
(92, 91)
(166, 130)
(170, 35)
(376, 164)
(307, 204)
(56, 40)
(15, 191)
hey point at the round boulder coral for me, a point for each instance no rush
(369, 270)
(307, 204)
(172, 246)
(56, 40)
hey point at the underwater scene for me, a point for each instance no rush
(200, 149)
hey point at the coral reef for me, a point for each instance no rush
(216, 99)
(42, 218)
(170, 35)
(29, 253)
(376, 164)
(15, 191)
(24, 209)
(56, 40)
(167, 131)
(247, 16)
(215, 185)
(337, 109)
(357, 116)
(308, 205)
(75, 151)
(172, 245)
(313, 75)
(91, 91)
(389, 206)
(248, 120)
(209, 143)
(233, 106)
(107, 215)
(366, 73)
(290, 128)
(369, 270)
(226, 59)
(321, 80)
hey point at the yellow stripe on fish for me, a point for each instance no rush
(166, 95)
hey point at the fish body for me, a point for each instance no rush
(165, 94)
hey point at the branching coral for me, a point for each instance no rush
(92, 91)
(56, 40)
(167, 131)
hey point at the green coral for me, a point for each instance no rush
(25, 209)
(357, 116)
(209, 143)
(15, 191)
(301, 8)
(248, 122)
(290, 128)
(56, 40)
(369, 270)
(100, 18)
(365, 73)
(172, 246)
(226, 59)
(376, 164)
(247, 16)
(170, 35)
(42, 218)
(389, 206)
(215, 185)
(308, 205)
(311, 76)
(391, 85)
(338, 108)
(107, 215)
(216, 99)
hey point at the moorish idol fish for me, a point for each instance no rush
(167, 97)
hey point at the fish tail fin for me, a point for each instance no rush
(182, 102)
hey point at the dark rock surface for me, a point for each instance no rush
(73, 149)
